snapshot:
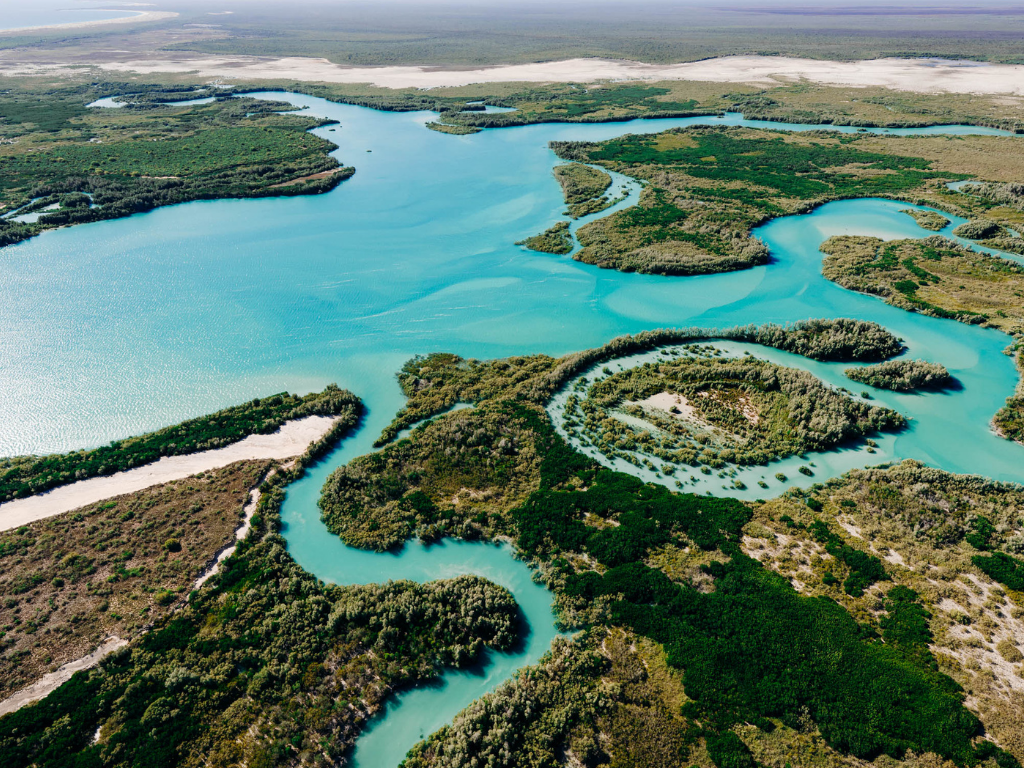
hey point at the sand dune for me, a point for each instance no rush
(921, 75)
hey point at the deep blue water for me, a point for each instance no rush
(119, 327)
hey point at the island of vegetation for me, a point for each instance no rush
(557, 239)
(690, 605)
(934, 276)
(902, 375)
(695, 409)
(69, 164)
(925, 219)
(583, 188)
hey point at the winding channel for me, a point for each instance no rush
(118, 327)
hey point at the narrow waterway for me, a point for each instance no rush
(119, 327)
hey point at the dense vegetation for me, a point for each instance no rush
(265, 665)
(980, 229)
(902, 375)
(1007, 570)
(557, 239)
(26, 475)
(716, 412)
(932, 220)
(1011, 194)
(437, 382)
(581, 182)
(934, 276)
(111, 568)
(600, 536)
(106, 163)
(709, 186)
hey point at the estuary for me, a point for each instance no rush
(117, 327)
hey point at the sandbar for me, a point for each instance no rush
(919, 75)
(138, 17)
(292, 439)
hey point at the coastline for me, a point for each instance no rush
(916, 75)
(139, 16)
(291, 439)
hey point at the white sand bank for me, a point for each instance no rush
(290, 440)
(138, 17)
(921, 75)
(666, 401)
(45, 685)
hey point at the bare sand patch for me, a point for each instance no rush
(919, 75)
(666, 401)
(45, 685)
(291, 439)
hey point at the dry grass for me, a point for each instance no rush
(915, 519)
(111, 568)
(962, 281)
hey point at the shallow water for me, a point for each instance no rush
(119, 327)
(40, 13)
(115, 328)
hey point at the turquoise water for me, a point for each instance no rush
(119, 327)
(416, 713)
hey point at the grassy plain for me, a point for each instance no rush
(110, 569)
(935, 276)
(434, 34)
(927, 219)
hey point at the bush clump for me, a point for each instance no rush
(902, 375)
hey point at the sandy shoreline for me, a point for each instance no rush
(45, 685)
(290, 440)
(138, 17)
(920, 75)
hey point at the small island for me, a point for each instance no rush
(557, 239)
(902, 375)
(702, 410)
(932, 220)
